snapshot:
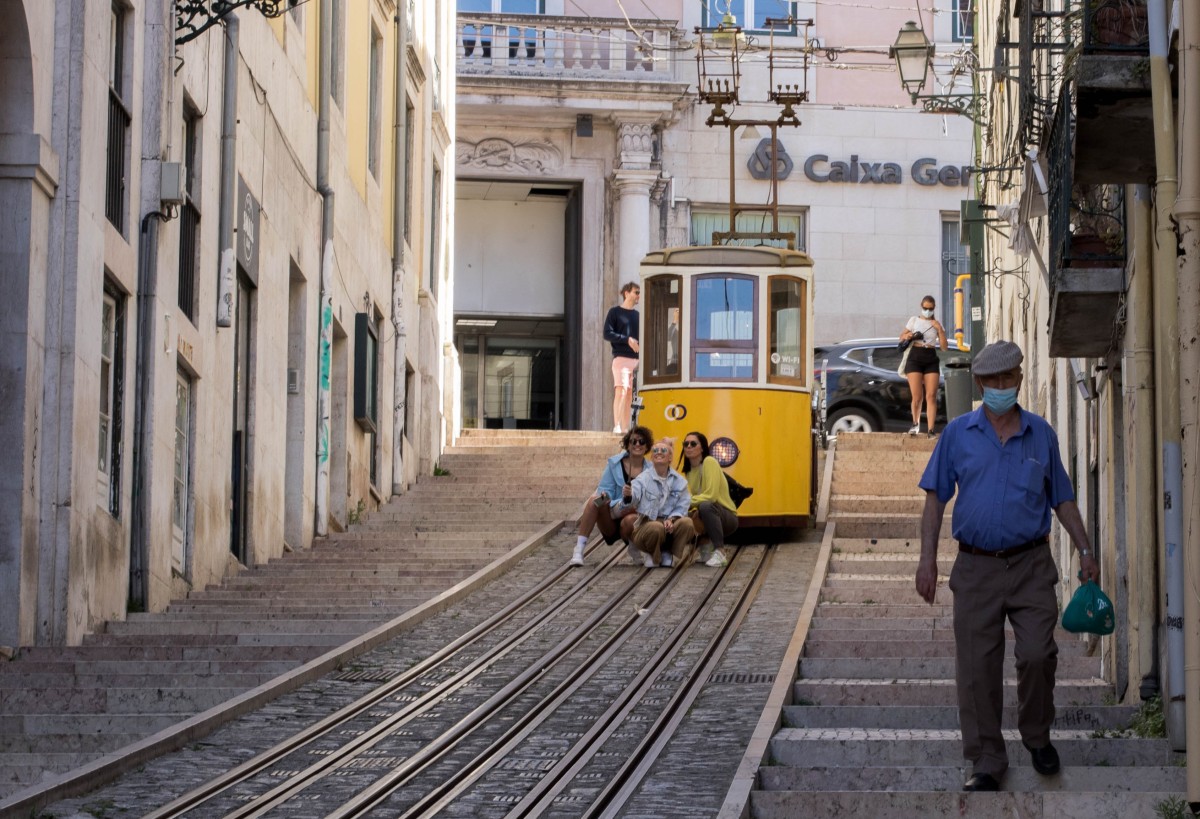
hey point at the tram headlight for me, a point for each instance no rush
(725, 451)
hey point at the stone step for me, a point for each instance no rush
(70, 743)
(945, 717)
(842, 691)
(141, 653)
(844, 544)
(1018, 779)
(315, 641)
(883, 441)
(132, 700)
(165, 668)
(893, 526)
(840, 504)
(267, 617)
(898, 611)
(856, 747)
(885, 564)
(923, 668)
(11, 686)
(821, 644)
(242, 626)
(36, 722)
(890, 592)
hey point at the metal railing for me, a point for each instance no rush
(1115, 26)
(536, 44)
(189, 252)
(115, 175)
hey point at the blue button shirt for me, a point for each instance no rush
(1005, 493)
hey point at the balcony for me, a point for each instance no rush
(1114, 140)
(1087, 252)
(579, 63)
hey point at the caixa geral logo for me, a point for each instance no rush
(675, 412)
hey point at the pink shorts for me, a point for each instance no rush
(623, 371)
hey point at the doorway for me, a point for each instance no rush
(242, 419)
(511, 382)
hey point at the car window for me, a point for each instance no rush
(886, 358)
(857, 355)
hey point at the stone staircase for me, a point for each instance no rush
(873, 728)
(63, 707)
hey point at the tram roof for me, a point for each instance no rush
(730, 256)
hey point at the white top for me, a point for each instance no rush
(924, 328)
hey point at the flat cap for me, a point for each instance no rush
(997, 357)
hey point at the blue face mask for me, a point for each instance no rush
(999, 401)
(927, 313)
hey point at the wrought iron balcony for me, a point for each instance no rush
(537, 46)
(1111, 72)
(1087, 251)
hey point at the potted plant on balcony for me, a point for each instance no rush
(1119, 23)
(1097, 226)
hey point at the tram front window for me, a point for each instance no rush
(786, 303)
(660, 351)
(725, 326)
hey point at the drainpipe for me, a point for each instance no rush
(1187, 215)
(225, 282)
(959, 309)
(325, 343)
(1167, 369)
(1141, 534)
(399, 186)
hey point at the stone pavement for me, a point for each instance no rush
(155, 681)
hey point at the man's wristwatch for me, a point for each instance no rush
(1085, 552)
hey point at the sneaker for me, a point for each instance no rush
(704, 553)
(717, 560)
(617, 429)
(668, 560)
(915, 430)
(633, 552)
(648, 561)
(577, 558)
(931, 434)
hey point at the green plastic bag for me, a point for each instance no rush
(1090, 610)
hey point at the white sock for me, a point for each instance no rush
(581, 541)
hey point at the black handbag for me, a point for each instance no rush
(737, 492)
(904, 345)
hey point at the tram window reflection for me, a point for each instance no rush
(787, 333)
(725, 327)
(661, 304)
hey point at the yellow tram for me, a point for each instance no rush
(726, 349)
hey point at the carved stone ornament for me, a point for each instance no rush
(500, 154)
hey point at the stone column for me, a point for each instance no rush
(633, 180)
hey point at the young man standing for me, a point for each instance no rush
(621, 331)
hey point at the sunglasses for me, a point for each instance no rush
(661, 450)
(637, 441)
(690, 444)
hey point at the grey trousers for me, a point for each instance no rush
(987, 590)
(718, 522)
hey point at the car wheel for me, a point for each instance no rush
(851, 419)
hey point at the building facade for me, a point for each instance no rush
(581, 145)
(226, 250)
(1089, 255)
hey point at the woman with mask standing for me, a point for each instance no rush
(921, 369)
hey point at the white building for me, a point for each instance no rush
(225, 304)
(581, 146)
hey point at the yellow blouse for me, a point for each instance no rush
(708, 484)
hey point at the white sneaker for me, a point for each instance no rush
(648, 561)
(577, 558)
(717, 560)
(668, 560)
(633, 553)
(704, 554)
(617, 429)
(915, 430)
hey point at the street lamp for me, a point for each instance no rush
(912, 52)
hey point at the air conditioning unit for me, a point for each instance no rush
(172, 183)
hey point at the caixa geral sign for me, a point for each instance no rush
(924, 171)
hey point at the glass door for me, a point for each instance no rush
(520, 388)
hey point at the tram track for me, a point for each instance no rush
(422, 775)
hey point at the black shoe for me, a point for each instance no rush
(982, 782)
(1045, 760)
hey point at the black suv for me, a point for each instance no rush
(865, 393)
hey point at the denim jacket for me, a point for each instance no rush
(659, 498)
(612, 480)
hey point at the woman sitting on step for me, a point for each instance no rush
(615, 483)
(712, 510)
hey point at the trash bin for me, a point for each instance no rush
(957, 383)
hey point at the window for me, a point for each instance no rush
(435, 234)
(338, 51)
(366, 372)
(786, 301)
(189, 217)
(723, 327)
(112, 390)
(118, 122)
(410, 124)
(751, 15)
(661, 349)
(706, 222)
(962, 21)
(182, 489)
(374, 101)
(956, 260)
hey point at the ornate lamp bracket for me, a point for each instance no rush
(194, 17)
